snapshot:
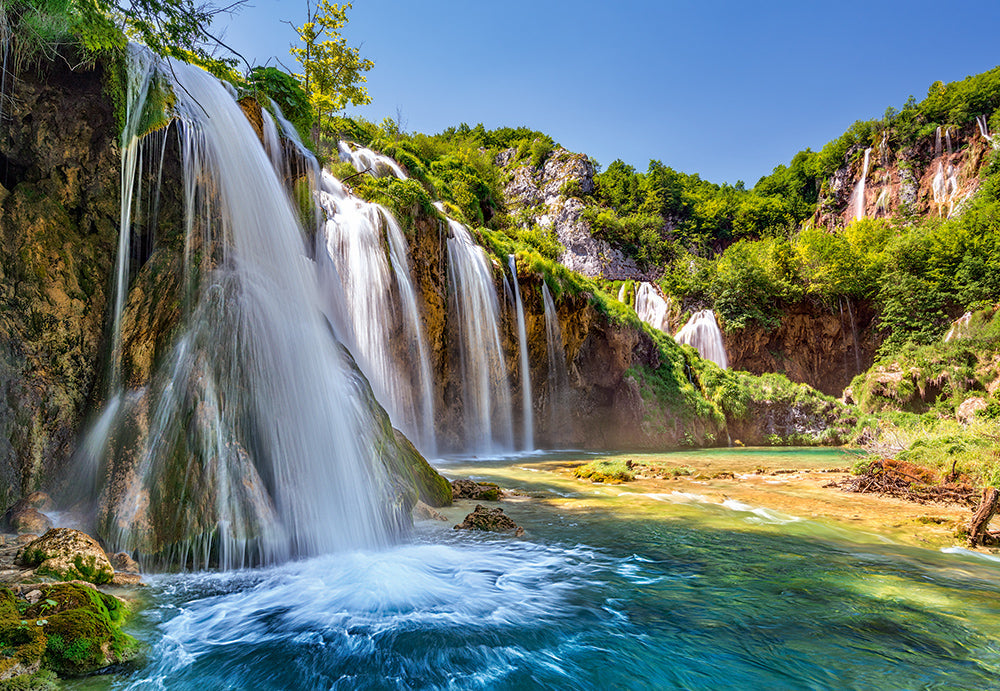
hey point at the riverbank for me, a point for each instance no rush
(783, 483)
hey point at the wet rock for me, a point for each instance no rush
(25, 515)
(423, 512)
(123, 562)
(490, 520)
(68, 554)
(27, 520)
(468, 489)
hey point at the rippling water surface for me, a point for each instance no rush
(608, 590)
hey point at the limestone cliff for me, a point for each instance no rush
(549, 195)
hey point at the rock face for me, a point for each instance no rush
(930, 179)
(58, 226)
(490, 520)
(550, 194)
(68, 554)
(824, 348)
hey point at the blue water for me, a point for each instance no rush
(596, 596)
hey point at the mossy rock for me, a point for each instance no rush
(68, 554)
(22, 642)
(72, 630)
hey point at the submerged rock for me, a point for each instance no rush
(68, 554)
(422, 511)
(490, 520)
(25, 516)
(469, 489)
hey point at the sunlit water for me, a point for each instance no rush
(610, 588)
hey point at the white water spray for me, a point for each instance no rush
(652, 308)
(702, 332)
(858, 196)
(366, 245)
(255, 441)
(486, 391)
(522, 346)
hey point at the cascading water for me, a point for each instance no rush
(651, 308)
(486, 392)
(558, 383)
(984, 130)
(522, 347)
(365, 160)
(253, 440)
(858, 195)
(377, 288)
(702, 332)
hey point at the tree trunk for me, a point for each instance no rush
(981, 519)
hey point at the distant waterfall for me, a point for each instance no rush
(367, 161)
(253, 440)
(522, 345)
(984, 130)
(381, 306)
(702, 332)
(652, 308)
(858, 195)
(486, 401)
(558, 384)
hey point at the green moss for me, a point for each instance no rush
(606, 471)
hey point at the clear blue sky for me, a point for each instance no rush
(727, 89)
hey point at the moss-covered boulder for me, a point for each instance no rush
(72, 629)
(68, 554)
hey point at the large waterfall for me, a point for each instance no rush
(558, 381)
(253, 439)
(702, 332)
(857, 203)
(380, 306)
(486, 400)
(522, 347)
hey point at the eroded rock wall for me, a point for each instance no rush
(59, 183)
(824, 347)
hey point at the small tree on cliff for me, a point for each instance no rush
(332, 72)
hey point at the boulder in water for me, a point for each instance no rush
(490, 520)
(68, 554)
(480, 491)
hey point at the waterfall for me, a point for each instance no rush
(253, 440)
(959, 327)
(486, 391)
(380, 307)
(858, 195)
(623, 293)
(522, 345)
(558, 381)
(947, 139)
(984, 129)
(702, 332)
(367, 161)
(937, 141)
(652, 308)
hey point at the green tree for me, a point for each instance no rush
(332, 71)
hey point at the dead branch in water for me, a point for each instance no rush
(893, 478)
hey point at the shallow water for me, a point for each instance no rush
(609, 589)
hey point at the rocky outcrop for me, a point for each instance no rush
(468, 489)
(68, 554)
(814, 344)
(68, 628)
(59, 167)
(490, 520)
(550, 196)
(934, 178)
